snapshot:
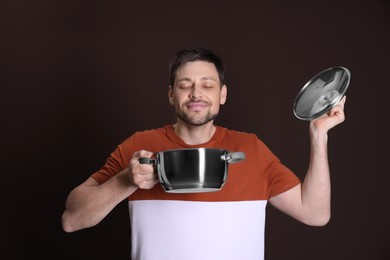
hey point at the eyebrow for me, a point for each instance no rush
(203, 78)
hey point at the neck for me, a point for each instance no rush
(194, 135)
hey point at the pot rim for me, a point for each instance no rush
(193, 149)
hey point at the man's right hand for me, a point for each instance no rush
(142, 175)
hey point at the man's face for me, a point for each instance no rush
(197, 93)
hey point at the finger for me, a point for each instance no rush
(134, 161)
(339, 107)
(139, 169)
(342, 102)
(143, 170)
(145, 178)
(146, 154)
(338, 112)
(139, 178)
(147, 184)
(142, 153)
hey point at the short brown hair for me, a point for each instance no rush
(196, 54)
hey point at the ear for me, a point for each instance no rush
(223, 97)
(170, 95)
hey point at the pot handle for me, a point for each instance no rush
(147, 161)
(233, 157)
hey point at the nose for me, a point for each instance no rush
(196, 92)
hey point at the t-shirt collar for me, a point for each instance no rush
(174, 137)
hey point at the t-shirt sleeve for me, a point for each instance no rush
(281, 179)
(117, 161)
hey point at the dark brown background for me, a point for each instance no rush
(77, 77)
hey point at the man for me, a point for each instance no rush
(227, 224)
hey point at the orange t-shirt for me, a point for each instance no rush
(260, 176)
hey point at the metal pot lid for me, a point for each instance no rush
(321, 93)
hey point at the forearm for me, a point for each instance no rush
(316, 187)
(87, 204)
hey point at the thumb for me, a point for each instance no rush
(145, 154)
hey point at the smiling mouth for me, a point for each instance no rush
(197, 105)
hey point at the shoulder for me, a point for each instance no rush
(236, 134)
(143, 135)
(245, 139)
(150, 133)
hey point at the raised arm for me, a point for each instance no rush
(310, 201)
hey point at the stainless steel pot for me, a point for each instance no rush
(194, 169)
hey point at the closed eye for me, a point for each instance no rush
(185, 85)
(208, 85)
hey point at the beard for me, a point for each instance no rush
(197, 120)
